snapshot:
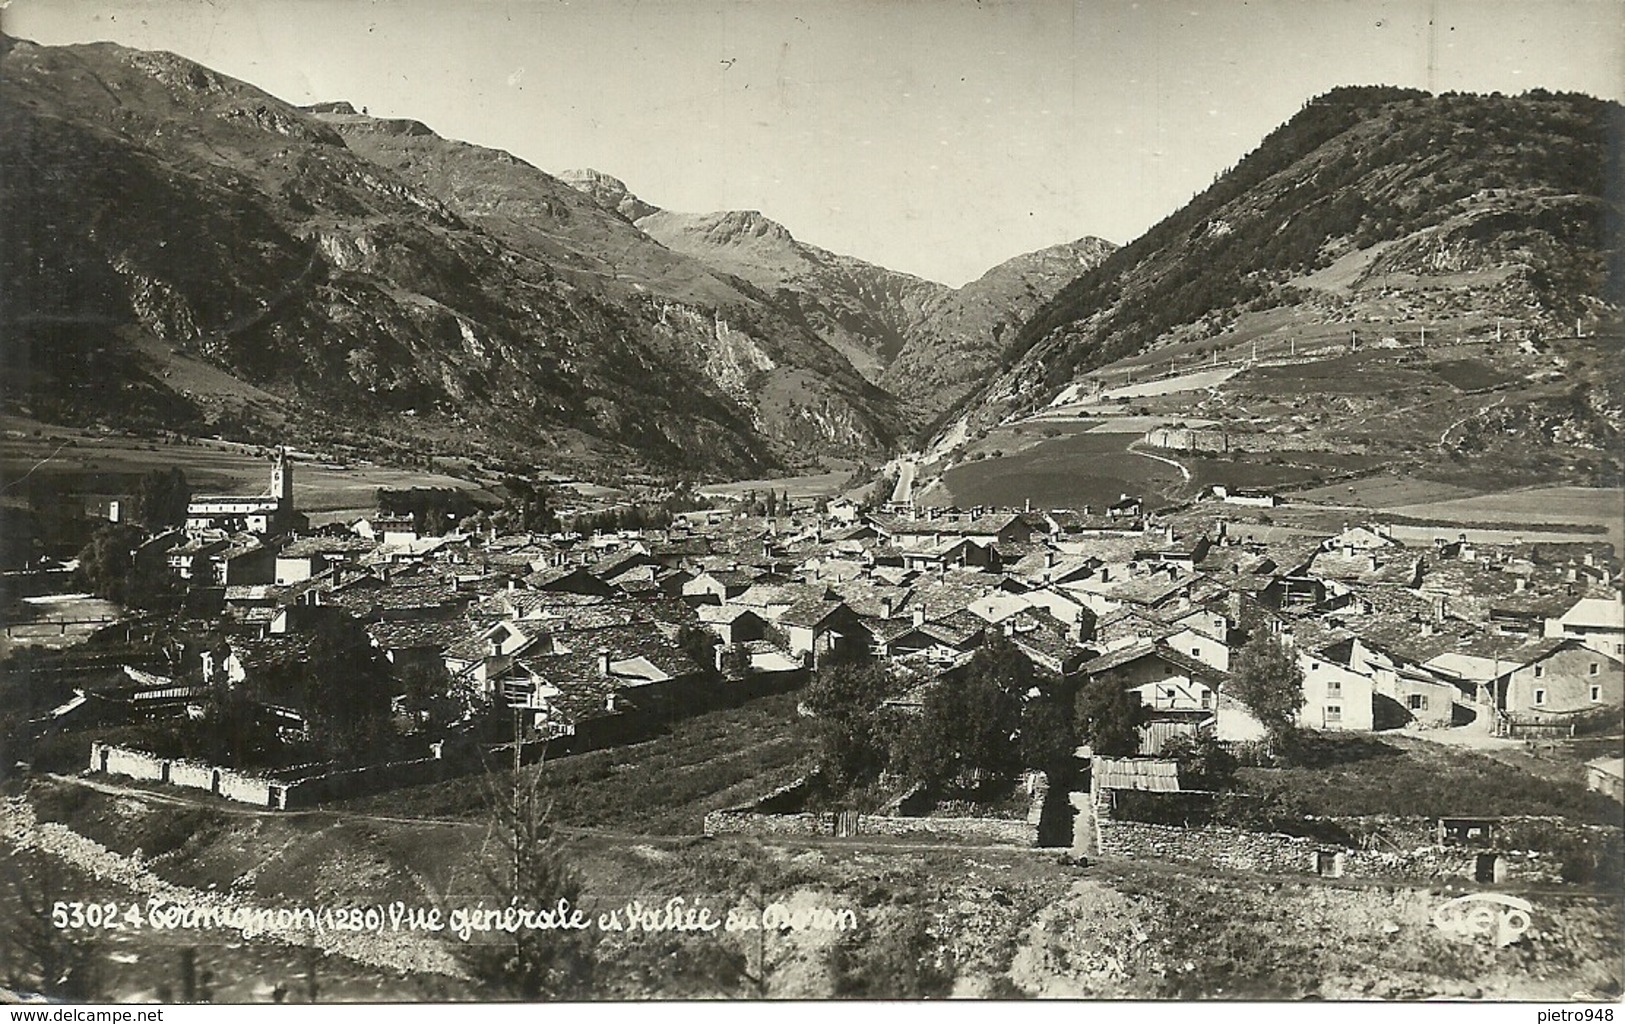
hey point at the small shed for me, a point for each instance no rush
(1606, 775)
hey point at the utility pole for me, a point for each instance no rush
(518, 763)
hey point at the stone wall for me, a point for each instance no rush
(746, 823)
(192, 775)
(1407, 852)
(313, 789)
(1265, 852)
(134, 763)
(984, 830)
(304, 787)
(251, 789)
(978, 830)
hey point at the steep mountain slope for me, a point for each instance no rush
(924, 342)
(964, 335)
(1374, 208)
(801, 390)
(865, 311)
(151, 204)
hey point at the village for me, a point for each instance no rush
(307, 665)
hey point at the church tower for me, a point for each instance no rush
(282, 480)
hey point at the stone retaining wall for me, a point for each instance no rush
(192, 775)
(1274, 853)
(986, 830)
(746, 823)
(278, 793)
(1219, 847)
(981, 830)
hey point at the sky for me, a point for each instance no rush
(937, 137)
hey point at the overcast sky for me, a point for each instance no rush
(934, 137)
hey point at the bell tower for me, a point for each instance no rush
(282, 479)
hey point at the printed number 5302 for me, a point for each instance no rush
(74, 914)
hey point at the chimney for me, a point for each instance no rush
(603, 662)
(1590, 559)
(1519, 585)
(886, 607)
(717, 654)
(919, 616)
(1370, 562)
(1049, 559)
(1105, 574)
(1427, 628)
(610, 701)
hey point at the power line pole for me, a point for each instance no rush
(518, 841)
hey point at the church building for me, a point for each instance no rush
(271, 513)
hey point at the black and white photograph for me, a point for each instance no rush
(610, 501)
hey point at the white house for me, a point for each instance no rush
(1597, 622)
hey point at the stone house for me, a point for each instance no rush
(1557, 678)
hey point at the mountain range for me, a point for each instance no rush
(185, 251)
(1373, 209)
(365, 279)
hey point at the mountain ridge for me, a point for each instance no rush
(149, 194)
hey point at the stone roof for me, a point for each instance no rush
(1144, 774)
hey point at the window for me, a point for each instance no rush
(1334, 712)
(1593, 670)
(1540, 698)
(1196, 652)
(1334, 688)
(1540, 670)
(1596, 692)
(1207, 698)
(1418, 701)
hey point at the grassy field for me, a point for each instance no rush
(1068, 472)
(1094, 467)
(662, 786)
(1534, 505)
(78, 460)
(812, 485)
(1390, 774)
(1385, 491)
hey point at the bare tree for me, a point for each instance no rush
(39, 955)
(534, 872)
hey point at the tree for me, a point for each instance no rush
(971, 726)
(107, 563)
(699, 644)
(1109, 715)
(161, 498)
(1047, 737)
(1204, 763)
(108, 568)
(345, 690)
(845, 697)
(1266, 678)
(531, 963)
(428, 699)
(528, 506)
(38, 956)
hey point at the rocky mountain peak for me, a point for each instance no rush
(609, 192)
